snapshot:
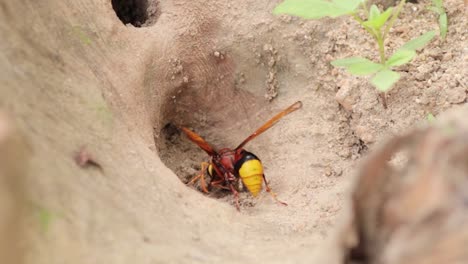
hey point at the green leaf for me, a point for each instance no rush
(443, 25)
(314, 9)
(378, 21)
(401, 57)
(434, 9)
(437, 4)
(384, 79)
(348, 6)
(419, 42)
(358, 65)
(306, 9)
(374, 12)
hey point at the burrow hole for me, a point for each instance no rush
(139, 13)
(223, 121)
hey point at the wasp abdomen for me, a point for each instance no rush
(250, 170)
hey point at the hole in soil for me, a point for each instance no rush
(140, 13)
(203, 97)
(223, 121)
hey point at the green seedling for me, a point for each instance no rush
(438, 8)
(377, 24)
(430, 118)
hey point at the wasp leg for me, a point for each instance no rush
(218, 183)
(201, 176)
(268, 189)
(198, 176)
(236, 196)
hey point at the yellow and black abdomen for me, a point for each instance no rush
(249, 168)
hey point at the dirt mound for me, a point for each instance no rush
(412, 209)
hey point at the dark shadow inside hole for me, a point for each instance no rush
(139, 13)
(178, 153)
(171, 133)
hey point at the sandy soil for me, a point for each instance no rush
(79, 77)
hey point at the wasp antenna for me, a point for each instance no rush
(197, 139)
(297, 105)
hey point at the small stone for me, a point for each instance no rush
(401, 29)
(267, 47)
(447, 56)
(344, 153)
(423, 72)
(179, 69)
(422, 100)
(364, 134)
(344, 96)
(456, 95)
(272, 62)
(338, 172)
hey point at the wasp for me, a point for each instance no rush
(226, 166)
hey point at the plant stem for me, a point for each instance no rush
(394, 17)
(383, 96)
(377, 35)
(364, 7)
(380, 42)
(368, 29)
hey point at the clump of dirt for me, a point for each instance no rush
(397, 210)
(272, 81)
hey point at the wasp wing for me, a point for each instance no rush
(270, 123)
